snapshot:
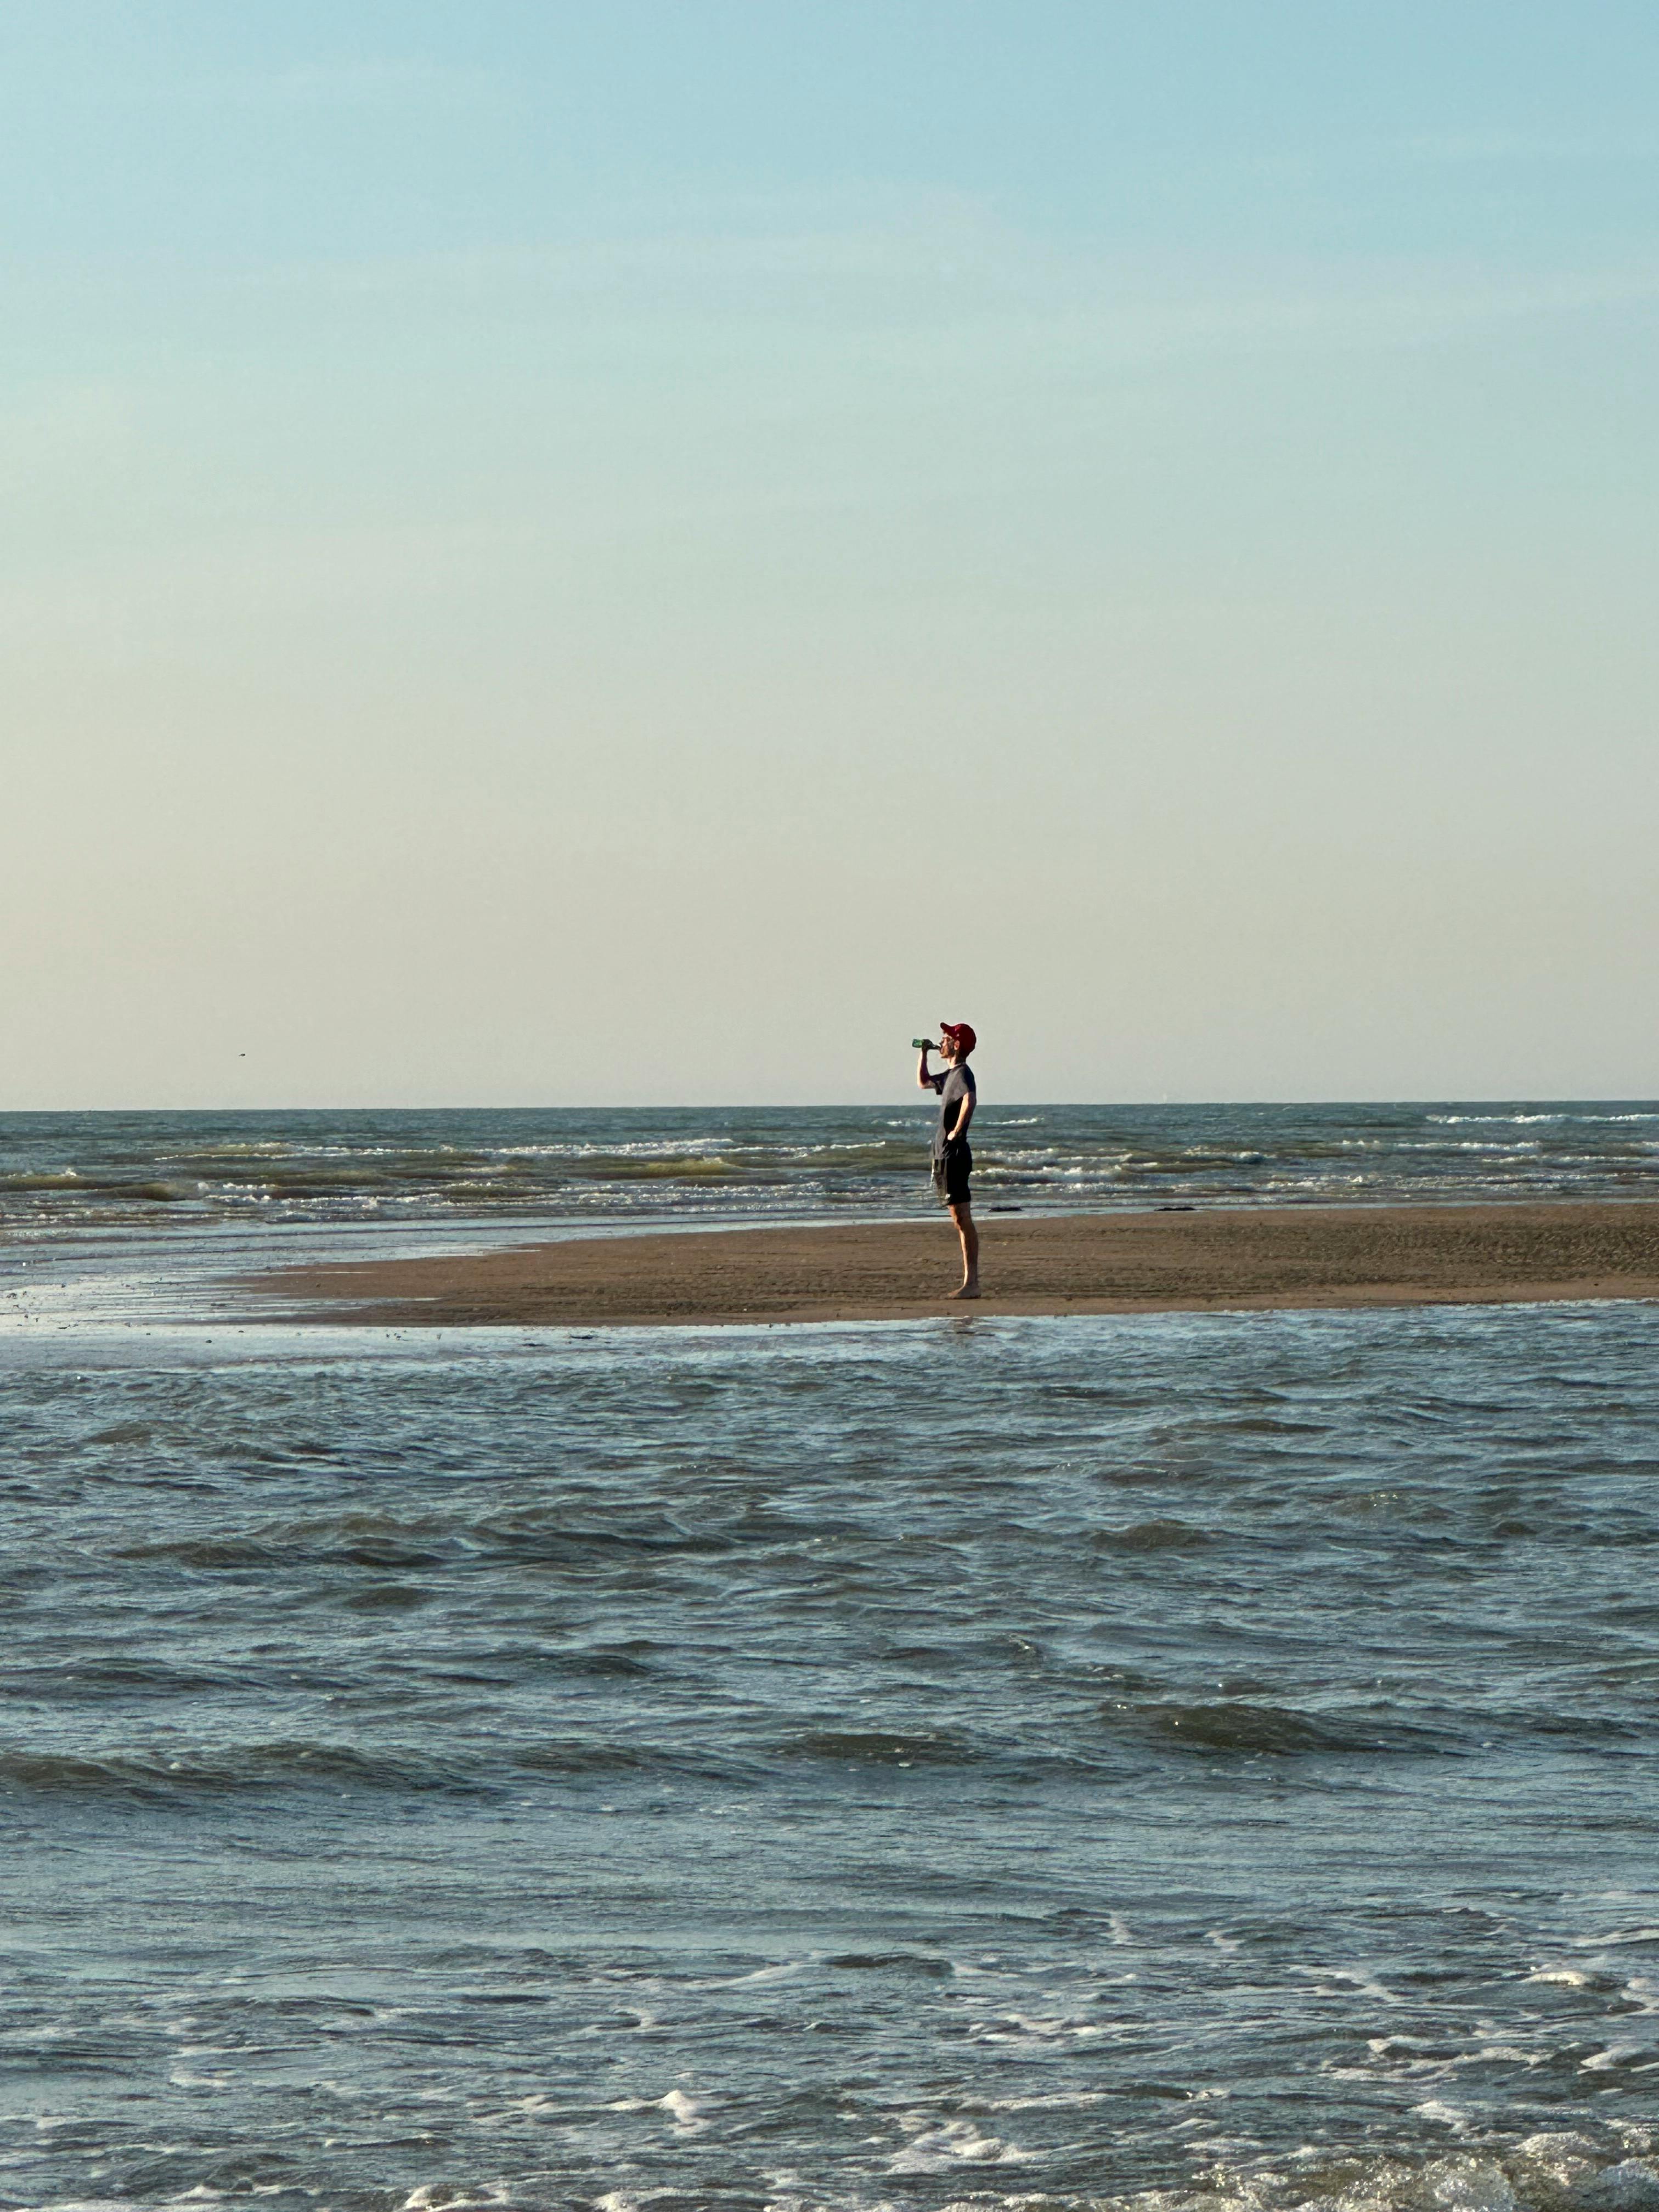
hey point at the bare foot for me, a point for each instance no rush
(968, 1290)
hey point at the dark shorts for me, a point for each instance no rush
(951, 1170)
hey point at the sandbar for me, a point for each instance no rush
(1200, 1261)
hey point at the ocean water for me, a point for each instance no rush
(1191, 1762)
(63, 1174)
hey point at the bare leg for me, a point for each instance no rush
(962, 1215)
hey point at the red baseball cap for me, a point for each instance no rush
(962, 1032)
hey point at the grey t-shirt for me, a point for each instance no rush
(954, 1085)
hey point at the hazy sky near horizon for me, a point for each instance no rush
(648, 551)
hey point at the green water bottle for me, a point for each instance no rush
(923, 1044)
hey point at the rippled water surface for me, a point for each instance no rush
(91, 1172)
(1192, 1760)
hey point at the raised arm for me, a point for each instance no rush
(925, 1075)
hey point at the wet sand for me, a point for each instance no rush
(1258, 1256)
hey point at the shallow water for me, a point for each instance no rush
(1185, 1758)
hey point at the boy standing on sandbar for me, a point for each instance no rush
(952, 1160)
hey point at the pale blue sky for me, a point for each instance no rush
(545, 543)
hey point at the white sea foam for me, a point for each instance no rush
(1029, 2027)
(936, 2145)
(785, 1970)
(685, 2111)
(1366, 1984)
(441, 2197)
(1060, 2100)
